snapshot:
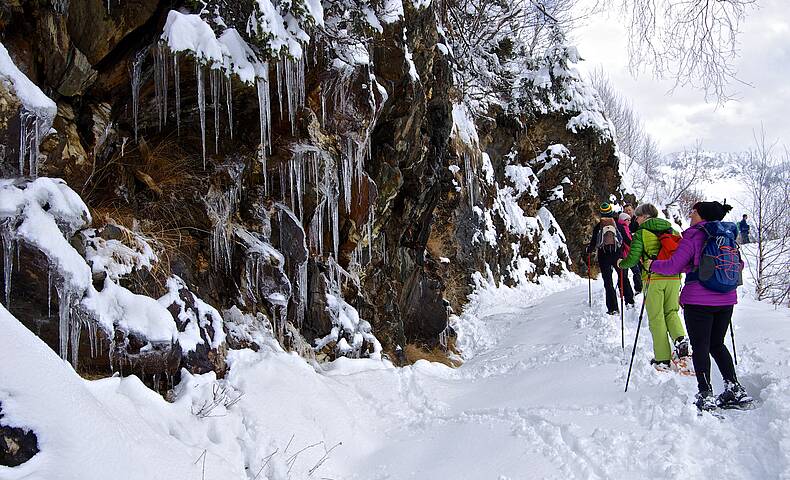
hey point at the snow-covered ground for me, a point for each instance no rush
(540, 396)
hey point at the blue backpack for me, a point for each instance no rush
(720, 262)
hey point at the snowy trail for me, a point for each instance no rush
(540, 396)
(545, 399)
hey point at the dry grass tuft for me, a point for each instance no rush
(167, 242)
(415, 352)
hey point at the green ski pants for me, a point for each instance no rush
(662, 304)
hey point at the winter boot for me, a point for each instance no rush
(682, 347)
(613, 312)
(661, 365)
(705, 401)
(733, 396)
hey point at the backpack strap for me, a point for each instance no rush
(693, 275)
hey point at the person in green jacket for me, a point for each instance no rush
(662, 291)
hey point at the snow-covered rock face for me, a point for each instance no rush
(305, 167)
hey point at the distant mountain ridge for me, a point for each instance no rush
(724, 163)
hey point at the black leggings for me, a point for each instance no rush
(608, 264)
(707, 328)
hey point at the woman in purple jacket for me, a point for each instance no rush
(707, 313)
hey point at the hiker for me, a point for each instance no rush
(743, 227)
(629, 209)
(661, 291)
(633, 227)
(625, 220)
(607, 240)
(708, 312)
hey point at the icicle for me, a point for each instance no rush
(283, 184)
(23, 117)
(92, 340)
(201, 97)
(7, 235)
(371, 221)
(158, 83)
(335, 226)
(137, 70)
(34, 144)
(214, 78)
(165, 51)
(470, 176)
(220, 208)
(323, 107)
(49, 292)
(302, 294)
(278, 74)
(295, 86)
(61, 7)
(291, 189)
(31, 128)
(177, 81)
(229, 101)
(300, 185)
(75, 327)
(347, 172)
(64, 312)
(264, 113)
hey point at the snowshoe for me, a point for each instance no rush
(734, 396)
(705, 401)
(661, 365)
(682, 365)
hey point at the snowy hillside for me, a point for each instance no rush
(540, 396)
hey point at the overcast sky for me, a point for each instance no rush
(678, 119)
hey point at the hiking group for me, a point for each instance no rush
(638, 241)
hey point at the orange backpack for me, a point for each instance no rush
(669, 243)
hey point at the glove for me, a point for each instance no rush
(647, 264)
(619, 261)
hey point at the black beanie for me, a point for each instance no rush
(712, 211)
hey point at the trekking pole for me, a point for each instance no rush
(732, 336)
(589, 280)
(622, 312)
(638, 326)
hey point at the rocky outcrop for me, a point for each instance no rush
(361, 223)
(17, 445)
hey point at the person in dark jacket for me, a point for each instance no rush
(607, 259)
(707, 313)
(636, 270)
(743, 227)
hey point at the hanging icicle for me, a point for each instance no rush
(9, 244)
(229, 102)
(215, 80)
(295, 86)
(265, 118)
(160, 83)
(347, 171)
(201, 98)
(30, 132)
(470, 176)
(177, 81)
(137, 71)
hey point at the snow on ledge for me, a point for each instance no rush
(32, 98)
